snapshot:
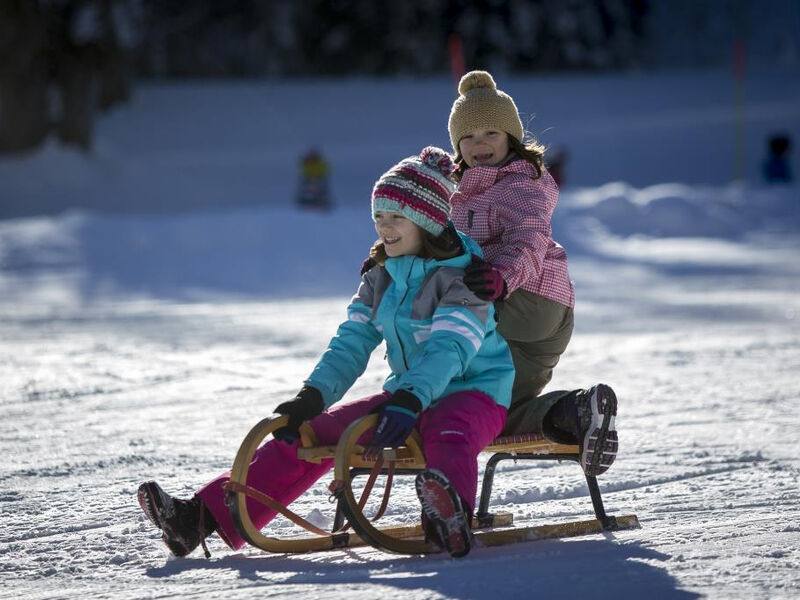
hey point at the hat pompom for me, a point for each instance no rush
(474, 80)
(437, 159)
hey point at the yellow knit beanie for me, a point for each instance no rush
(482, 106)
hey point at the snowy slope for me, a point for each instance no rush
(194, 145)
(137, 346)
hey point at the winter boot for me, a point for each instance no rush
(444, 520)
(561, 424)
(586, 417)
(185, 524)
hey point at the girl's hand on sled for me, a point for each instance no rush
(396, 419)
(484, 280)
(305, 406)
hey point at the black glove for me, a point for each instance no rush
(306, 405)
(396, 419)
(484, 280)
(368, 263)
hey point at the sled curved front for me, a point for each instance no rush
(237, 501)
(384, 539)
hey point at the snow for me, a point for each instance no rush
(145, 339)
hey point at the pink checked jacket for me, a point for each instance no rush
(508, 213)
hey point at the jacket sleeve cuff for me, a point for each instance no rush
(407, 400)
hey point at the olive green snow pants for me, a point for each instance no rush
(537, 331)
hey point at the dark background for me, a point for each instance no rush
(62, 61)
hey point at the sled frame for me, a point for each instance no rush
(349, 463)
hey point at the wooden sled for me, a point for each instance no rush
(349, 462)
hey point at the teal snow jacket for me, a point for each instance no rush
(440, 337)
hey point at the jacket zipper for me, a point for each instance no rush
(402, 301)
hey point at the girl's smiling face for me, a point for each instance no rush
(484, 147)
(399, 235)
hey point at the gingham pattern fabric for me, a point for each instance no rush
(508, 213)
(418, 187)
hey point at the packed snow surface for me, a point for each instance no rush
(145, 346)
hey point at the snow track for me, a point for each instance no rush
(107, 395)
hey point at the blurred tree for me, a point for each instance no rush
(339, 37)
(59, 61)
(76, 59)
(119, 36)
(365, 37)
(203, 38)
(23, 75)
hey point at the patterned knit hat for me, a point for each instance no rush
(419, 188)
(482, 106)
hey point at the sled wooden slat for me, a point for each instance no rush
(503, 519)
(403, 456)
(544, 532)
(496, 537)
(533, 443)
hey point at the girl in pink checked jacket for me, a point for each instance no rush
(504, 201)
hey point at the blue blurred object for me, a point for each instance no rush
(776, 165)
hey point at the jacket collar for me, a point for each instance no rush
(408, 270)
(478, 179)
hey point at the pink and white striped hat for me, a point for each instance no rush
(419, 188)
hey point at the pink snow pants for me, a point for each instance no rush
(453, 432)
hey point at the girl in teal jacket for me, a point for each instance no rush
(451, 373)
(440, 337)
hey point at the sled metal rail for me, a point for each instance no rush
(349, 463)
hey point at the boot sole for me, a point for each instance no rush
(146, 495)
(600, 443)
(442, 507)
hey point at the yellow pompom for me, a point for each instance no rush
(474, 80)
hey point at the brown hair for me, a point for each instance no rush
(439, 247)
(533, 152)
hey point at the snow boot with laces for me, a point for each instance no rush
(185, 524)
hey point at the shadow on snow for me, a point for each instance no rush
(551, 568)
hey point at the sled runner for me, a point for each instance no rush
(353, 528)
